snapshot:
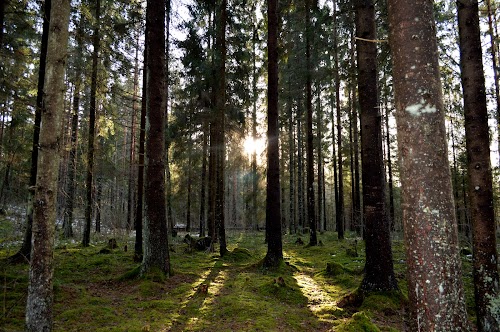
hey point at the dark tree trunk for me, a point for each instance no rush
(435, 286)
(320, 181)
(291, 169)
(40, 301)
(255, 175)
(139, 207)
(274, 255)
(379, 271)
(220, 104)
(91, 138)
(485, 258)
(24, 252)
(390, 182)
(300, 170)
(203, 180)
(132, 151)
(156, 253)
(311, 205)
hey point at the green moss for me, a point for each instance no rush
(359, 322)
(334, 269)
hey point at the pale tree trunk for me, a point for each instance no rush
(477, 138)
(274, 255)
(435, 289)
(156, 253)
(39, 306)
(379, 270)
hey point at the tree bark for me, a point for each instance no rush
(477, 138)
(435, 286)
(311, 205)
(274, 255)
(92, 118)
(379, 270)
(39, 306)
(156, 252)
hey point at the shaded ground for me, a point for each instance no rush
(208, 293)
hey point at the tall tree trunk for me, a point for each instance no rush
(311, 205)
(291, 169)
(255, 175)
(357, 191)
(92, 118)
(274, 255)
(220, 124)
(189, 187)
(156, 253)
(139, 207)
(68, 213)
(435, 286)
(390, 182)
(135, 109)
(494, 59)
(203, 179)
(379, 270)
(300, 170)
(339, 206)
(477, 138)
(39, 306)
(320, 181)
(24, 252)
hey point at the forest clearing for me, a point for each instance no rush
(97, 291)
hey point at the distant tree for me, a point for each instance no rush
(435, 288)
(39, 306)
(156, 252)
(485, 258)
(379, 270)
(274, 255)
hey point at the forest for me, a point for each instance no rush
(249, 165)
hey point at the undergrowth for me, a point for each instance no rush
(98, 290)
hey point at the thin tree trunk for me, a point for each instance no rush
(435, 288)
(40, 301)
(92, 118)
(24, 252)
(203, 180)
(311, 205)
(139, 207)
(485, 260)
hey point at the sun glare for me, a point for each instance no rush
(258, 145)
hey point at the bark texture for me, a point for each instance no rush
(156, 254)
(274, 255)
(379, 270)
(485, 258)
(39, 306)
(434, 269)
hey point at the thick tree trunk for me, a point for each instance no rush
(434, 269)
(300, 170)
(39, 306)
(274, 255)
(92, 118)
(379, 271)
(156, 253)
(485, 258)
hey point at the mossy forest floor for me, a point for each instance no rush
(209, 293)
